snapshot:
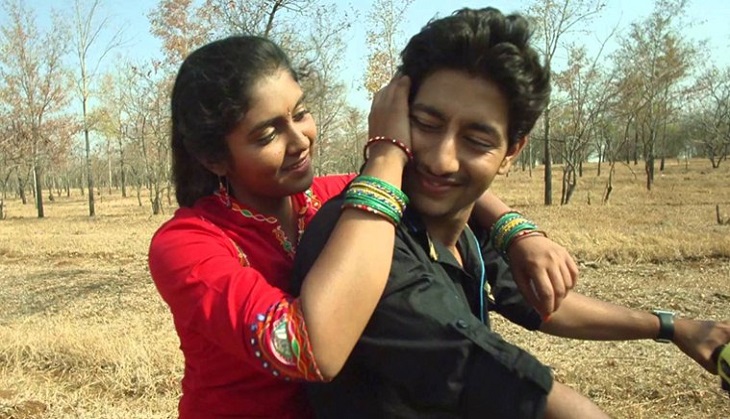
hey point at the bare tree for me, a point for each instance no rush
(86, 36)
(554, 19)
(111, 120)
(10, 154)
(324, 91)
(147, 110)
(252, 17)
(587, 94)
(711, 118)
(34, 76)
(654, 60)
(383, 39)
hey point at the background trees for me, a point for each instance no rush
(35, 88)
(655, 59)
(85, 36)
(553, 20)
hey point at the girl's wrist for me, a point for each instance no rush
(385, 153)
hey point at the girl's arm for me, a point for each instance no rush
(543, 270)
(340, 292)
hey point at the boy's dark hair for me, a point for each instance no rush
(210, 97)
(487, 44)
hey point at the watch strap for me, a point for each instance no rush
(666, 326)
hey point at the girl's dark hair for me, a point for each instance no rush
(210, 97)
(487, 44)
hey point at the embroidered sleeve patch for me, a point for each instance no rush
(282, 344)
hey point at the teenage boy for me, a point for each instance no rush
(477, 89)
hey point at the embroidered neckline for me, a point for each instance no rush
(310, 200)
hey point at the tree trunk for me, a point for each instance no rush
(38, 189)
(609, 183)
(139, 194)
(636, 147)
(122, 168)
(109, 166)
(548, 162)
(649, 169)
(21, 191)
(89, 174)
(156, 200)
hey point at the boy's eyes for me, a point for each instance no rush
(479, 142)
(473, 140)
(422, 123)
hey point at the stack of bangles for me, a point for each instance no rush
(376, 196)
(509, 228)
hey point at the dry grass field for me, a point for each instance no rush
(83, 333)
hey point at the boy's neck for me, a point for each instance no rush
(447, 229)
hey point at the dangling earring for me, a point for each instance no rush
(223, 192)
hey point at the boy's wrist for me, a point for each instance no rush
(666, 326)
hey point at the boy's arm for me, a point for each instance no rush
(582, 317)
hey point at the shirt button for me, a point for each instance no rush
(461, 324)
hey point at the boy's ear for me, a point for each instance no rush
(512, 153)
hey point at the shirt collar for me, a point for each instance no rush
(436, 251)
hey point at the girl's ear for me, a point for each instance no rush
(219, 168)
(512, 153)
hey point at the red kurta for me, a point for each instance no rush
(219, 269)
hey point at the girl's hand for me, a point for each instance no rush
(544, 272)
(389, 115)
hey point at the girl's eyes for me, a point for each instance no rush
(267, 138)
(300, 114)
(297, 117)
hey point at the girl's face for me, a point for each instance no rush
(271, 148)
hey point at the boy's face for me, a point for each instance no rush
(459, 136)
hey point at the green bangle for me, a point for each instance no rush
(384, 186)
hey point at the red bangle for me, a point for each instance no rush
(527, 233)
(366, 208)
(393, 141)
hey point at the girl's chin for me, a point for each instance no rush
(302, 182)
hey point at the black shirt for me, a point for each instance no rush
(426, 353)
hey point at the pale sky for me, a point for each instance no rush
(711, 21)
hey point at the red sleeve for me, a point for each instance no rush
(197, 271)
(326, 187)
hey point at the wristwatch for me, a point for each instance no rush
(666, 325)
